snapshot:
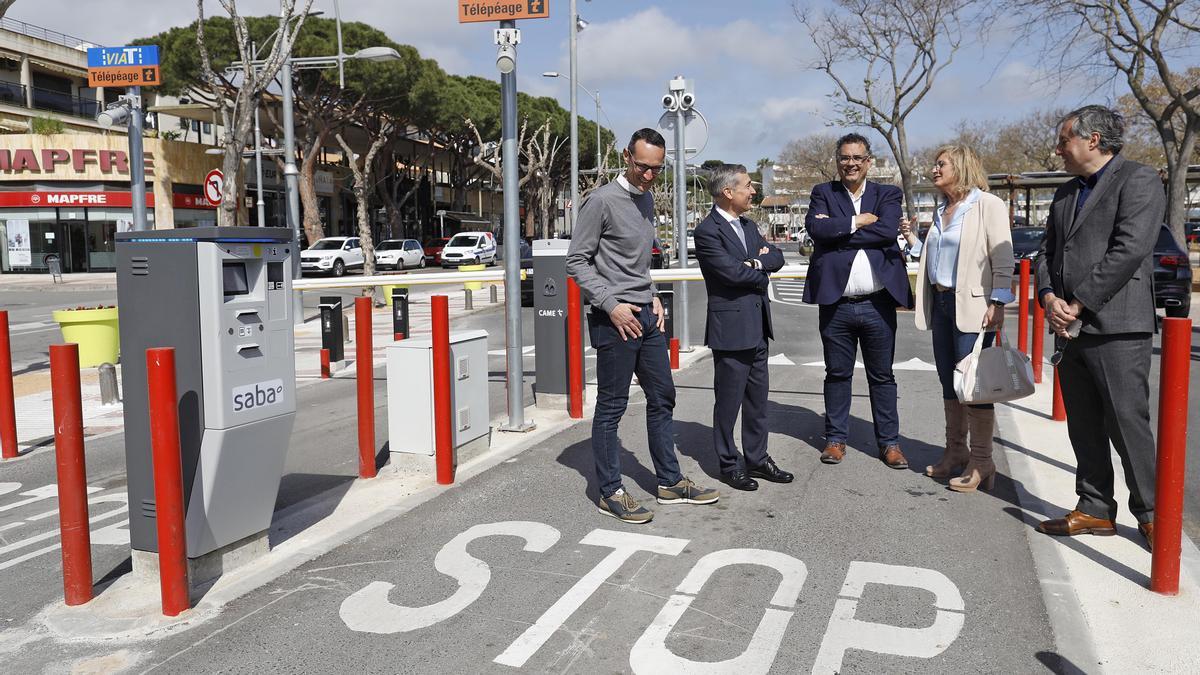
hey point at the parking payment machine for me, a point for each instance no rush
(221, 296)
(550, 322)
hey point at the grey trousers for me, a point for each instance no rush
(1106, 390)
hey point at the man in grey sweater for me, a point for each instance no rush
(610, 260)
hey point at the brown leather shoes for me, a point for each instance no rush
(834, 452)
(1147, 530)
(892, 456)
(1078, 522)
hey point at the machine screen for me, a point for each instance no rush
(234, 277)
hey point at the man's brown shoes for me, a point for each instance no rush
(1078, 522)
(892, 456)
(834, 452)
(1147, 530)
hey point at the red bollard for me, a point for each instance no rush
(168, 480)
(8, 403)
(1039, 336)
(1023, 309)
(1059, 411)
(325, 364)
(674, 353)
(574, 350)
(72, 474)
(442, 427)
(364, 367)
(1172, 455)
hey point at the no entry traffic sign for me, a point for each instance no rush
(214, 183)
(472, 11)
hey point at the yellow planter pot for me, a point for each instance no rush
(472, 285)
(387, 292)
(94, 330)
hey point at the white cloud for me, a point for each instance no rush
(782, 109)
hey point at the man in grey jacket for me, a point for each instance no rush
(609, 258)
(1095, 272)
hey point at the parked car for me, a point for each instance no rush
(691, 243)
(1026, 241)
(332, 255)
(399, 254)
(1172, 275)
(470, 248)
(1191, 230)
(433, 251)
(658, 255)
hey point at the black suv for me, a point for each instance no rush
(1172, 275)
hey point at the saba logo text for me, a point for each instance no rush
(258, 395)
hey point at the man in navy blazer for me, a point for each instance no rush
(736, 262)
(857, 276)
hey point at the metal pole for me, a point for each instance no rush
(291, 185)
(573, 212)
(681, 226)
(262, 207)
(512, 248)
(137, 161)
(341, 57)
(597, 97)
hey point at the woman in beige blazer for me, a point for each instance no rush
(964, 279)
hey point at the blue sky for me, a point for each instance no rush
(748, 61)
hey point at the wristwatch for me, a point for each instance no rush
(998, 303)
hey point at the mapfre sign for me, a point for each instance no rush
(473, 11)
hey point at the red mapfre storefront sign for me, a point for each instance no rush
(51, 198)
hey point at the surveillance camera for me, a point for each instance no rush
(688, 100)
(116, 115)
(506, 58)
(669, 102)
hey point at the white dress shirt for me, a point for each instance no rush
(624, 182)
(863, 280)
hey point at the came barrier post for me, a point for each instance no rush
(1039, 336)
(8, 405)
(324, 364)
(364, 366)
(574, 350)
(1023, 308)
(442, 427)
(168, 480)
(399, 313)
(674, 353)
(72, 474)
(1172, 455)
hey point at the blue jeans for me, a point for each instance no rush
(844, 326)
(950, 345)
(616, 362)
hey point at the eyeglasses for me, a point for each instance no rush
(853, 159)
(941, 164)
(643, 168)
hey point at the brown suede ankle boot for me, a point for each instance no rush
(954, 458)
(980, 471)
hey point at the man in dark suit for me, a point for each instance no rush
(857, 276)
(736, 262)
(1095, 272)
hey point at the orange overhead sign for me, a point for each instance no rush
(473, 11)
(126, 76)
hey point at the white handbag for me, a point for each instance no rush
(993, 375)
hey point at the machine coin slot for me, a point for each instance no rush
(249, 347)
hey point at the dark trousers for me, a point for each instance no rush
(617, 361)
(950, 345)
(740, 382)
(1106, 390)
(844, 326)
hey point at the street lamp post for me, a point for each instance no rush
(575, 139)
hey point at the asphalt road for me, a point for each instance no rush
(854, 568)
(883, 512)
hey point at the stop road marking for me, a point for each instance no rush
(369, 609)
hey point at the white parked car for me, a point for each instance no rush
(470, 248)
(332, 255)
(400, 254)
(691, 242)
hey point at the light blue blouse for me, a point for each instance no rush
(942, 242)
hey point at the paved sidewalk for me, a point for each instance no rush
(1096, 589)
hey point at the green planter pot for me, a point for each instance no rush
(94, 330)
